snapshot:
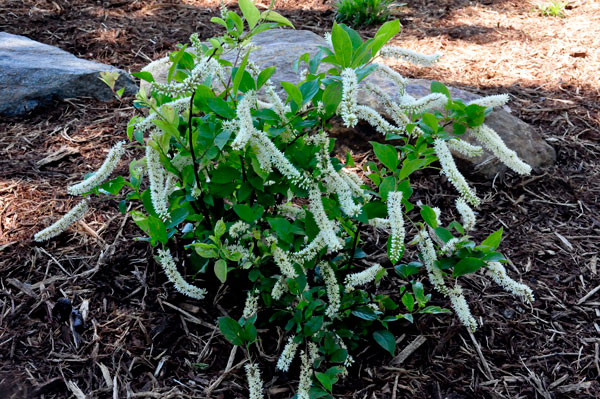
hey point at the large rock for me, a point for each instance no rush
(282, 47)
(33, 74)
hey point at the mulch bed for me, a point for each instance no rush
(145, 340)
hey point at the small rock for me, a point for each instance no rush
(508, 313)
(78, 322)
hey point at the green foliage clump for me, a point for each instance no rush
(555, 8)
(243, 189)
(359, 13)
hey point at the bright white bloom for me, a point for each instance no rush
(327, 37)
(498, 273)
(320, 107)
(310, 251)
(465, 148)
(394, 76)
(255, 384)
(246, 126)
(63, 223)
(466, 213)
(377, 121)
(102, 174)
(246, 256)
(361, 278)
(461, 308)
(438, 214)
(498, 100)
(168, 264)
(305, 379)
(354, 182)
(279, 288)
(288, 354)
(279, 109)
(380, 223)
(347, 108)
(427, 103)
(325, 225)
(292, 211)
(451, 171)
(264, 160)
(392, 108)
(238, 229)
(283, 262)
(409, 55)
(156, 176)
(313, 351)
(231, 125)
(333, 289)
(205, 68)
(251, 306)
(429, 257)
(278, 159)
(396, 218)
(490, 140)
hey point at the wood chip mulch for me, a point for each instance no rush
(143, 340)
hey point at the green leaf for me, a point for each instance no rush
(264, 75)
(409, 166)
(332, 97)
(342, 46)
(444, 234)
(467, 265)
(144, 75)
(431, 121)
(230, 329)
(429, 216)
(293, 91)
(384, 34)
(437, 87)
(248, 214)
(220, 228)
(219, 21)
(409, 301)
(405, 271)
(419, 291)
(157, 230)
(365, 313)
(221, 270)
(387, 185)
(386, 340)
(205, 250)
(387, 154)
(220, 107)
(250, 12)
(308, 90)
(239, 73)
(493, 240)
(325, 380)
(276, 17)
(312, 325)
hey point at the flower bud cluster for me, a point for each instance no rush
(288, 354)
(251, 306)
(377, 121)
(436, 277)
(168, 264)
(347, 108)
(325, 225)
(465, 148)
(451, 171)
(238, 229)
(408, 55)
(498, 273)
(63, 223)
(394, 205)
(490, 140)
(466, 213)
(333, 290)
(102, 174)
(205, 68)
(498, 100)
(255, 384)
(361, 278)
(461, 308)
(157, 178)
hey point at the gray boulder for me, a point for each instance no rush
(282, 47)
(33, 74)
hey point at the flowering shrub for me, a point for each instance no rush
(244, 181)
(358, 13)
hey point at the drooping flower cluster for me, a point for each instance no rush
(255, 384)
(451, 171)
(251, 306)
(408, 55)
(238, 229)
(427, 250)
(287, 355)
(466, 213)
(246, 127)
(461, 308)
(283, 262)
(497, 100)
(165, 259)
(333, 289)
(394, 205)
(498, 273)
(376, 120)
(347, 108)
(490, 140)
(102, 174)
(325, 225)
(206, 67)
(63, 223)
(157, 177)
(361, 278)
(306, 371)
(465, 148)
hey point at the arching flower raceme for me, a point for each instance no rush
(427, 250)
(168, 264)
(283, 262)
(347, 108)
(63, 223)
(466, 213)
(279, 288)
(451, 171)
(498, 273)
(333, 289)
(255, 384)
(102, 174)
(204, 68)
(238, 229)
(465, 148)
(156, 176)
(325, 225)
(461, 308)
(497, 100)
(287, 355)
(396, 219)
(490, 140)
(361, 278)
(251, 306)
(394, 76)
(246, 127)
(377, 121)
(408, 55)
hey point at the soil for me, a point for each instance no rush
(142, 339)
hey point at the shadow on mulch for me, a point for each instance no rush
(145, 339)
